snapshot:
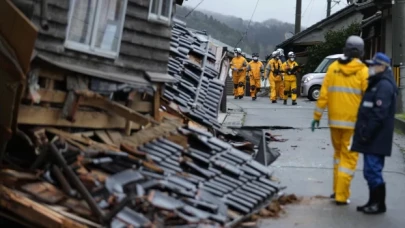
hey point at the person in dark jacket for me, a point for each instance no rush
(374, 130)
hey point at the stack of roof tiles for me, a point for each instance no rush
(166, 175)
(197, 91)
(202, 179)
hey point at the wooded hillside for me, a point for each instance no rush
(262, 37)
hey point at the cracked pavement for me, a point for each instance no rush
(305, 167)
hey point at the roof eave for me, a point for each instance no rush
(332, 18)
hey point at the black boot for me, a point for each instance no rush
(236, 97)
(274, 102)
(378, 205)
(253, 98)
(240, 97)
(371, 198)
(333, 196)
(285, 102)
(294, 103)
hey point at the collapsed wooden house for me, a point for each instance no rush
(118, 49)
(89, 97)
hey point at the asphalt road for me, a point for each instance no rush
(305, 167)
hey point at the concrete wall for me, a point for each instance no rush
(319, 35)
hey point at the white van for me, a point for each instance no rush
(311, 83)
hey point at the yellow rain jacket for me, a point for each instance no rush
(288, 65)
(255, 69)
(272, 66)
(240, 64)
(341, 92)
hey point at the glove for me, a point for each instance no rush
(314, 122)
(235, 69)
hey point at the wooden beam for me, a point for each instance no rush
(34, 115)
(115, 136)
(33, 211)
(104, 137)
(54, 74)
(57, 96)
(156, 103)
(81, 139)
(98, 101)
(128, 124)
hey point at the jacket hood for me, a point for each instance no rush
(350, 66)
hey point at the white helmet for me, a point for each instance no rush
(238, 50)
(281, 51)
(291, 54)
(275, 54)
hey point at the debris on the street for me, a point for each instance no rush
(81, 150)
(274, 210)
(270, 137)
(190, 177)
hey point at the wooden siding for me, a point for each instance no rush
(144, 46)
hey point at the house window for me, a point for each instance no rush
(95, 26)
(160, 10)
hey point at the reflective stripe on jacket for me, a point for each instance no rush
(342, 90)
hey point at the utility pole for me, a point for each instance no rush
(298, 7)
(329, 8)
(398, 47)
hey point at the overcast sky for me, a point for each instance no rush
(283, 10)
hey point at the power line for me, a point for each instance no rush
(250, 21)
(193, 9)
(310, 11)
(309, 4)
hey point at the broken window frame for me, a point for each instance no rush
(91, 48)
(159, 17)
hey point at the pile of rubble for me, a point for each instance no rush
(166, 175)
(104, 161)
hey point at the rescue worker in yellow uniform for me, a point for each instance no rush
(274, 71)
(290, 68)
(255, 70)
(341, 93)
(239, 66)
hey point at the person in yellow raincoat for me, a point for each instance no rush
(274, 73)
(239, 66)
(255, 70)
(342, 90)
(290, 68)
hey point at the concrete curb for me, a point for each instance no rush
(400, 124)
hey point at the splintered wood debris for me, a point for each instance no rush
(166, 174)
(275, 209)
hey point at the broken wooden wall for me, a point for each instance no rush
(143, 42)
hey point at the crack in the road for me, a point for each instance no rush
(310, 167)
(278, 128)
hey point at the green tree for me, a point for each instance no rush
(334, 43)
